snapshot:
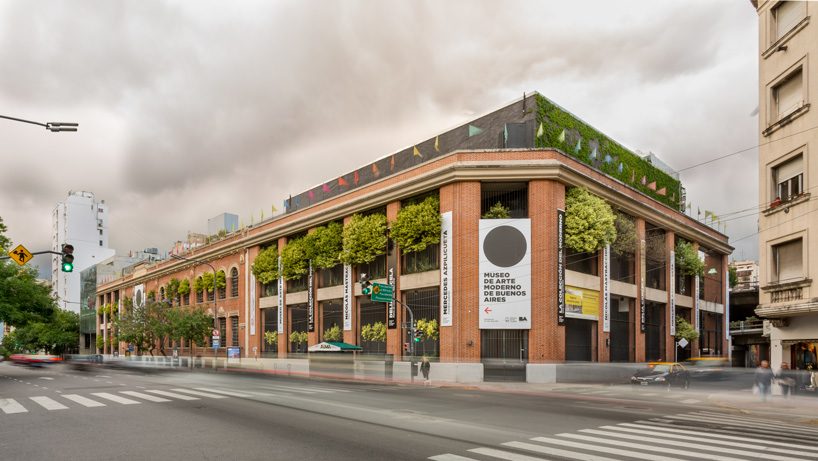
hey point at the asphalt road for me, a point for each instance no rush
(58, 413)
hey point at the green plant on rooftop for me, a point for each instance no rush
(563, 131)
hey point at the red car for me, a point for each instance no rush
(34, 359)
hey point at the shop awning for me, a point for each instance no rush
(333, 347)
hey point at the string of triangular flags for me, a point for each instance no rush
(714, 220)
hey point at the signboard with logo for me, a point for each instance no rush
(252, 304)
(347, 297)
(672, 292)
(606, 289)
(139, 295)
(505, 274)
(233, 354)
(310, 300)
(581, 303)
(280, 299)
(560, 267)
(446, 275)
(391, 279)
(642, 286)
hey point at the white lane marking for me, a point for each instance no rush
(762, 422)
(45, 388)
(751, 446)
(48, 403)
(47, 378)
(450, 457)
(688, 401)
(200, 394)
(557, 452)
(504, 454)
(608, 450)
(10, 406)
(295, 389)
(84, 401)
(217, 391)
(675, 443)
(652, 447)
(172, 394)
(648, 394)
(739, 423)
(103, 376)
(674, 430)
(140, 395)
(109, 382)
(116, 398)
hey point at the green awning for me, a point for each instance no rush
(333, 347)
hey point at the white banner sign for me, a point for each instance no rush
(139, 295)
(696, 302)
(672, 293)
(505, 274)
(726, 283)
(347, 297)
(280, 299)
(606, 289)
(446, 275)
(252, 304)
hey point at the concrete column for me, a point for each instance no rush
(466, 221)
(394, 337)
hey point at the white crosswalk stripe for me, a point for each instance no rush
(11, 406)
(199, 393)
(115, 398)
(699, 435)
(48, 403)
(84, 401)
(143, 396)
(172, 394)
(219, 391)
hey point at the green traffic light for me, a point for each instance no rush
(417, 340)
(67, 267)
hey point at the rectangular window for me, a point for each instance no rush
(234, 331)
(785, 16)
(788, 94)
(787, 261)
(223, 331)
(789, 178)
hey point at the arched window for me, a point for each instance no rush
(234, 282)
(221, 283)
(199, 290)
(162, 294)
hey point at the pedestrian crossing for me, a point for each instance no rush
(59, 401)
(705, 435)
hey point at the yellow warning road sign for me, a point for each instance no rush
(20, 255)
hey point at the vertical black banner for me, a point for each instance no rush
(310, 301)
(391, 278)
(560, 267)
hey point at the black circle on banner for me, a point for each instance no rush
(505, 246)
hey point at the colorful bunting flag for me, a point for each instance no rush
(343, 182)
(662, 191)
(621, 168)
(652, 185)
(261, 218)
(561, 137)
(593, 154)
(474, 131)
(644, 180)
(505, 134)
(437, 143)
(579, 145)
(355, 177)
(608, 158)
(392, 163)
(325, 188)
(540, 131)
(633, 175)
(273, 209)
(416, 152)
(375, 170)
(311, 194)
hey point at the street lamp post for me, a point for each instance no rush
(215, 313)
(54, 127)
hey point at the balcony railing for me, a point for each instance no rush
(746, 326)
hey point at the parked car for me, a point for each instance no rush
(666, 374)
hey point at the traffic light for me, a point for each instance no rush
(68, 258)
(417, 334)
(405, 347)
(366, 285)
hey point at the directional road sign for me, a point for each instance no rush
(382, 293)
(20, 255)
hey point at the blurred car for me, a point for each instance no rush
(662, 374)
(84, 362)
(708, 368)
(34, 359)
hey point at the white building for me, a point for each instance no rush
(81, 221)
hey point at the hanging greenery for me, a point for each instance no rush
(172, 289)
(364, 239)
(429, 328)
(265, 266)
(589, 221)
(655, 248)
(685, 330)
(324, 245)
(418, 226)
(298, 337)
(626, 241)
(333, 334)
(687, 259)
(497, 211)
(375, 332)
(270, 337)
(100, 342)
(199, 285)
(184, 287)
(294, 261)
(732, 274)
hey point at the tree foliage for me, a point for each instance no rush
(497, 211)
(270, 337)
(626, 241)
(732, 276)
(687, 259)
(298, 337)
(429, 328)
(324, 245)
(685, 330)
(374, 332)
(589, 221)
(333, 334)
(294, 261)
(265, 266)
(364, 239)
(184, 287)
(156, 323)
(172, 289)
(418, 226)
(57, 335)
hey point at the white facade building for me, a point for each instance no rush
(81, 221)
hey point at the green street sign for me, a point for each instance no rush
(382, 293)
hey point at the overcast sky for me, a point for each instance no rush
(190, 109)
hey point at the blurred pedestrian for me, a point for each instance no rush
(764, 379)
(786, 379)
(425, 365)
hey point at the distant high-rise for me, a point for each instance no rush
(81, 221)
(227, 222)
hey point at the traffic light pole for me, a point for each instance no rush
(37, 253)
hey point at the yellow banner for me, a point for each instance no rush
(582, 301)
